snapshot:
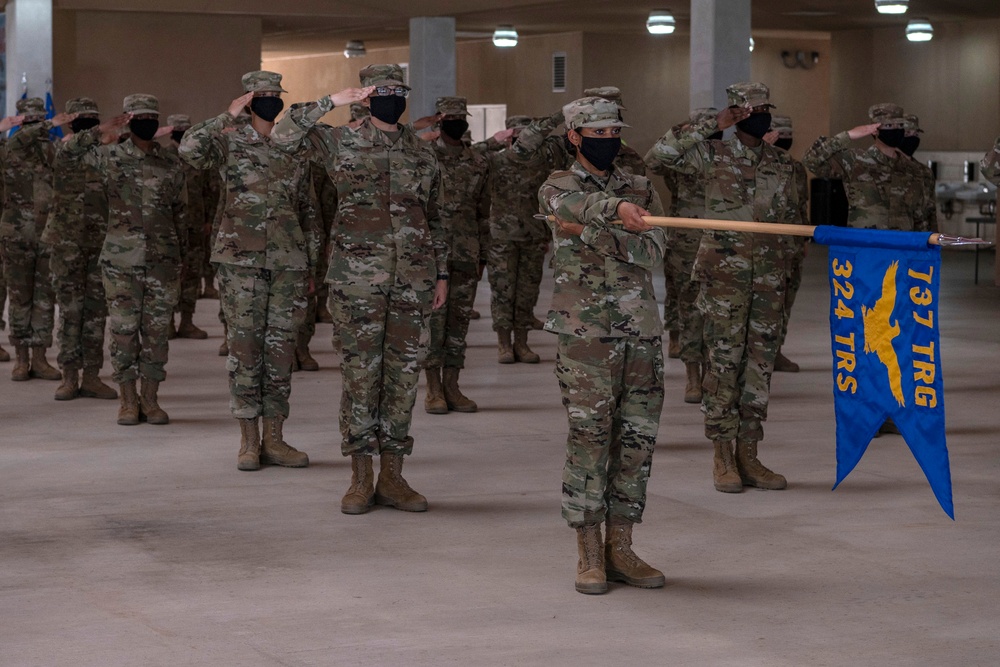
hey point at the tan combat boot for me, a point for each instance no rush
(224, 346)
(673, 345)
(522, 352)
(149, 407)
(171, 329)
(22, 364)
(537, 324)
(4, 354)
(692, 390)
(278, 452)
(474, 315)
(361, 495)
(434, 402)
(724, 472)
(590, 576)
(70, 386)
(323, 313)
(128, 412)
(783, 364)
(40, 367)
(622, 564)
(753, 472)
(249, 456)
(505, 352)
(453, 396)
(92, 387)
(209, 292)
(187, 329)
(303, 359)
(392, 490)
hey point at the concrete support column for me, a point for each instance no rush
(29, 48)
(432, 63)
(720, 49)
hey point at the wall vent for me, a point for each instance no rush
(559, 72)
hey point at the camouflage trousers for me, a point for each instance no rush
(31, 307)
(308, 326)
(141, 301)
(612, 389)
(3, 292)
(682, 309)
(741, 341)
(191, 271)
(264, 310)
(83, 309)
(793, 281)
(450, 323)
(383, 336)
(515, 276)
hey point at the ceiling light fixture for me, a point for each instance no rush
(505, 36)
(355, 49)
(891, 6)
(660, 22)
(919, 30)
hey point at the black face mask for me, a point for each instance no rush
(757, 125)
(82, 124)
(454, 127)
(910, 145)
(388, 108)
(715, 136)
(267, 108)
(784, 143)
(600, 152)
(144, 128)
(892, 138)
(36, 121)
(177, 135)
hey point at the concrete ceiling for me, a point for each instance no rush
(319, 26)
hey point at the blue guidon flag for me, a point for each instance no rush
(886, 347)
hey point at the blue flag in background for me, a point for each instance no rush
(50, 111)
(886, 347)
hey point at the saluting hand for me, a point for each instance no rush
(426, 121)
(61, 119)
(237, 105)
(732, 115)
(163, 131)
(631, 215)
(863, 131)
(770, 137)
(503, 136)
(350, 95)
(10, 122)
(109, 128)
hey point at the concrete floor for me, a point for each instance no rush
(144, 546)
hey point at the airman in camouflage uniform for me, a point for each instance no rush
(742, 275)
(75, 232)
(194, 246)
(680, 309)
(27, 177)
(878, 180)
(795, 246)
(911, 141)
(141, 257)
(464, 207)
(5, 125)
(518, 241)
(265, 253)
(388, 269)
(610, 359)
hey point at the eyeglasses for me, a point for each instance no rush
(399, 91)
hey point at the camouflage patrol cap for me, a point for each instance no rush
(749, 95)
(359, 111)
(912, 123)
(702, 114)
(782, 125)
(179, 121)
(31, 107)
(260, 81)
(452, 106)
(515, 122)
(82, 105)
(612, 93)
(887, 114)
(383, 75)
(138, 103)
(592, 112)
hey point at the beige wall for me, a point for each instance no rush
(952, 82)
(192, 63)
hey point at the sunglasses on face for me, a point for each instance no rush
(384, 91)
